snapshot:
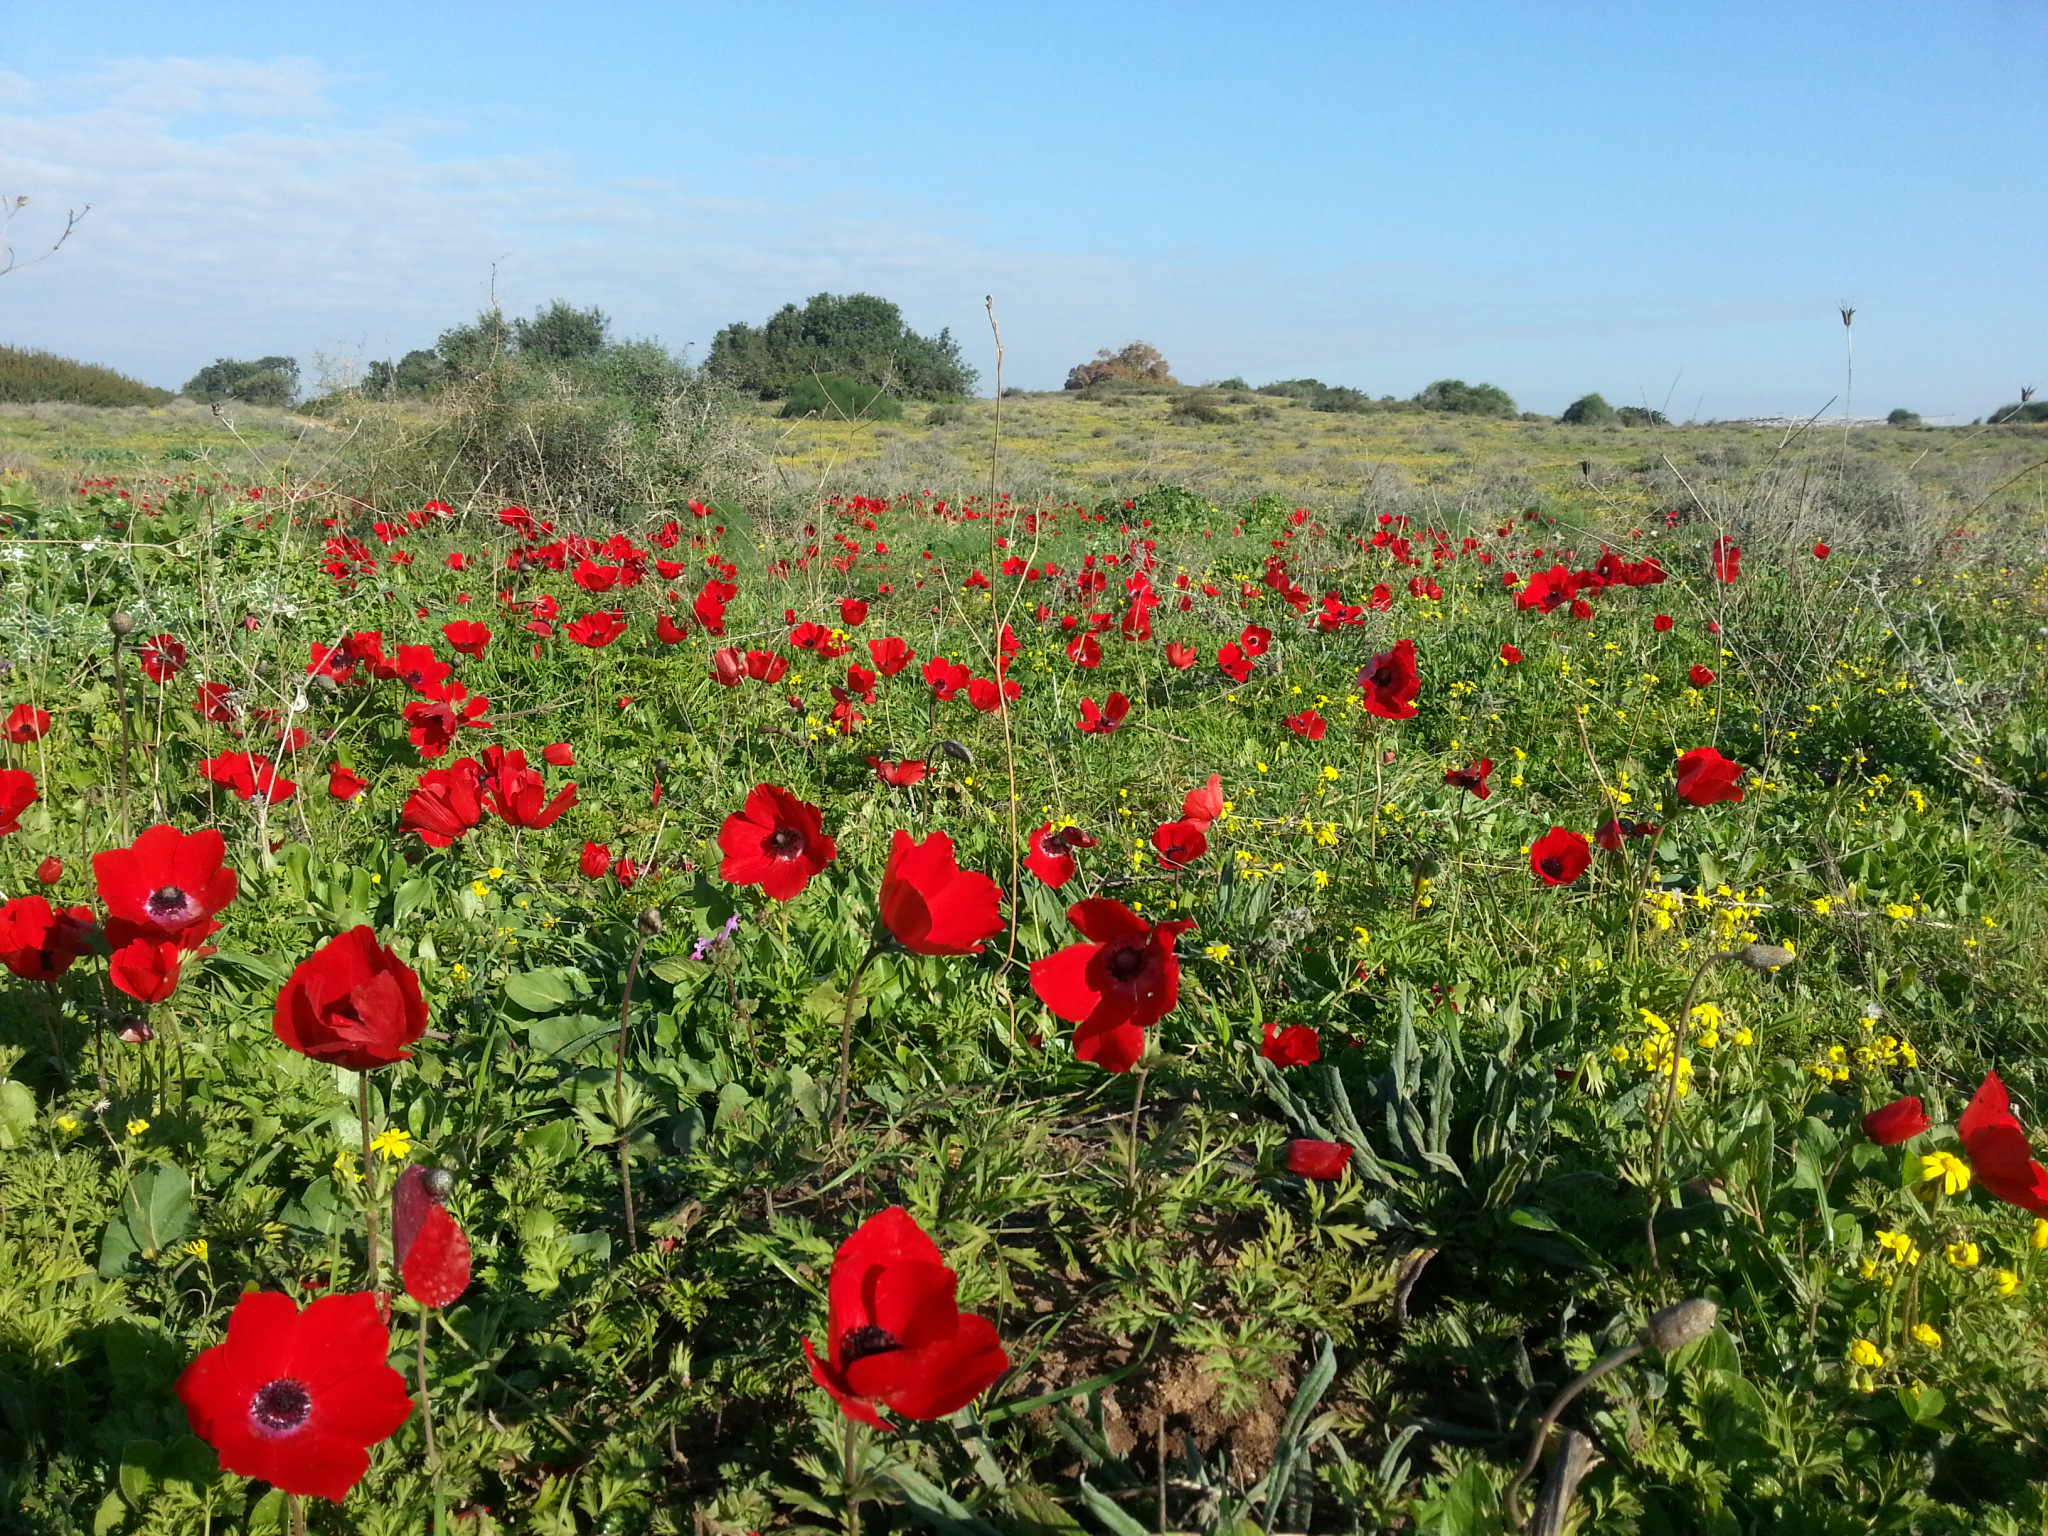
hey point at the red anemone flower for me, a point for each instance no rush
(1900, 1120)
(39, 942)
(852, 611)
(146, 969)
(1661, 623)
(1548, 590)
(728, 666)
(1114, 987)
(1085, 651)
(596, 630)
(898, 775)
(216, 702)
(1309, 725)
(1699, 676)
(558, 754)
(518, 793)
(1180, 843)
(1610, 834)
(434, 723)
(1315, 1159)
(931, 905)
(1705, 777)
(775, 841)
(1231, 659)
(947, 678)
(596, 861)
(766, 666)
(298, 1398)
(1205, 804)
(467, 636)
(1391, 683)
(446, 803)
(1181, 657)
(51, 870)
(17, 793)
(2000, 1158)
(352, 1003)
(1727, 560)
(895, 1337)
(1820, 551)
(669, 632)
(1472, 778)
(343, 784)
(1255, 641)
(167, 885)
(1052, 853)
(429, 1245)
(1295, 1046)
(1510, 654)
(163, 658)
(1103, 720)
(988, 697)
(249, 775)
(27, 723)
(1560, 856)
(890, 655)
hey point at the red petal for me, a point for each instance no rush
(436, 1271)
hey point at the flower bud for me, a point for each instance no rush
(649, 922)
(1682, 1323)
(1765, 957)
(122, 625)
(958, 753)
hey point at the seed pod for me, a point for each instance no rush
(324, 683)
(649, 922)
(439, 1182)
(122, 625)
(957, 752)
(1765, 957)
(1682, 1323)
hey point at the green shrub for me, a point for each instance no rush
(834, 397)
(1641, 416)
(1463, 399)
(1139, 362)
(1589, 411)
(1199, 409)
(1903, 418)
(561, 333)
(2024, 411)
(856, 336)
(28, 377)
(263, 381)
(944, 415)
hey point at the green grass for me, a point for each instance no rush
(29, 377)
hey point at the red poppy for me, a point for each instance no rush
(343, 784)
(1085, 651)
(1548, 590)
(249, 775)
(434, 723)
(1295, 1046)
(1105, 719)
(775, 841)
(669, 632)
(1180, 843)
(898, 775)
(518, 793)
(17, 794)
(467, 636)
(1727, 560)
(1699, 676)
(890, 655)
(352, 1003)
(1610, 834)
(1705, 777)
(1472, 778)
(51, 870)
(852, 611)
(1820, 551)
(1114, 987)
(895, 1337)
(1391, 683)
(1204, 804)
(1661, 623)
(596, 630)
(1315, 1159)
(216, 702)
(946, 678)
(1900, 1120)
(1181, 657)
(298, 1398)
(1232, 660)
(27, 723)
(596, 861)
(446, 803)
(2000, 1157)
(428, 1243)
(931, 905)
(558, 754)
(1051, 856)
(1510, 654)
(146, 969)
(167, 885)
(728, 666)
(1309, 725)
(1560, 856)
(39, 942)
(163, 658)
(1255, 641)
(987, 697)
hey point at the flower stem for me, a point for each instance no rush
(426, 1403)
(849, 1455)
(1137, 1108)
(846, 1039)
(376, 1256)
(295, 1510)
(619, 1094)
(1677, 1069)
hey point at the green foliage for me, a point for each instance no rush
(1589, 411)
(1463, 399)
(263, 381)
(561, 333)
(834, 397)
(1318, 396)
(1137, 362)
(28, 376)
(2022, 413)
(856, 336)
(417, 375)
(1641, 416)
(1902, 418)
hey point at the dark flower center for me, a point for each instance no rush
(1125, 963)
(859, 1343)
(1553, 867)
(786, 843)
(170, 905)
(281, 1406)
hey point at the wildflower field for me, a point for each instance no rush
(1010, 1015)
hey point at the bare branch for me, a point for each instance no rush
(9, 207)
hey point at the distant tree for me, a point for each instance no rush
(470, 349)
(1642, 416)
(1903, 418)
(265, 381)
(1464, 399)
(2024, 411)
(1589, 411)
(854, 336)
(561, 333)
(1139, 362)
(417, 374)
(833, 397)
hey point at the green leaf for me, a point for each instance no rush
(545, 991)
(677, 969)
(1923, 1405)
(155, 1212)
(1105, 1509)
(109, 1515)
(141, 1464)
(17, 1113)
(567, 1035)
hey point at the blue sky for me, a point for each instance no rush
(1660, 202)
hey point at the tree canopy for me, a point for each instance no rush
(1466, 399)
(854, 336)
(263, 381)
(1137, 362)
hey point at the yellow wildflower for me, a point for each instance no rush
(1963, 1255)
(1953, 1172)
(1866, 1354)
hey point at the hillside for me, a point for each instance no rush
(29, 377)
